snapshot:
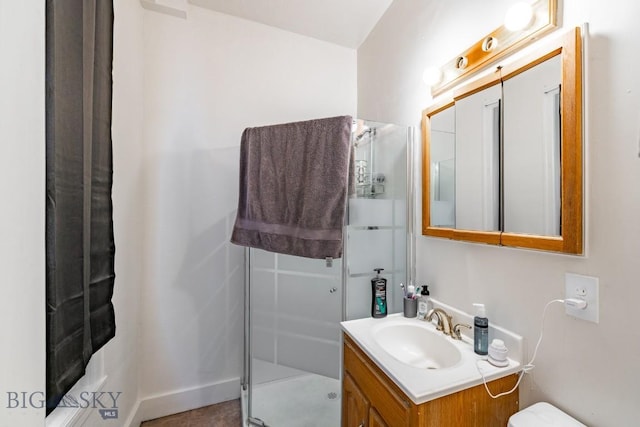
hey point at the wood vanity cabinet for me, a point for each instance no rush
(355, 406)
(371, 399)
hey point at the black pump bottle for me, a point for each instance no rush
(378, 295)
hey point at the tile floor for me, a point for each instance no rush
(225, 414)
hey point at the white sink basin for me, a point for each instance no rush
(425, 363)
(418, 346)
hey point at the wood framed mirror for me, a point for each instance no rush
(502, 159)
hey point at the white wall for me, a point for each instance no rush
(208, 77)
(22, 186)
(585, 369)
(121, 360)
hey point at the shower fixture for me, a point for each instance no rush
(366, 131)
(369, 183)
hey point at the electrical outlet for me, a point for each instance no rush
(584, 288)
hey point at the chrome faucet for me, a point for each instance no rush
(444, 320)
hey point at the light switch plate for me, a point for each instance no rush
(585, 288)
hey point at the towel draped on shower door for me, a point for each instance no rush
(293, 187)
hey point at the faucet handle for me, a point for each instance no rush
(455, 332)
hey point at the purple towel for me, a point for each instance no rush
(293, 187)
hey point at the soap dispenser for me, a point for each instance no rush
(378, 295)
(480, 330)
(424, 302)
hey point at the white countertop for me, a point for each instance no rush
(423, 385)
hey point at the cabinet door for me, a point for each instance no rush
(355, 407)
(375, 420)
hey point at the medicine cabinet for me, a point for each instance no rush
(503, 157)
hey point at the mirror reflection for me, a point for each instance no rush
(478, 160)
(532, 150)
(442, 157)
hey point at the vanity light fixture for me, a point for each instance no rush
(519, 16)
(489, 43)
(525, 22)
(432, 75)
(462, 62)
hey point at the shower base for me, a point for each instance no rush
(305, 400)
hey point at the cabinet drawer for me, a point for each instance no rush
(387, 399)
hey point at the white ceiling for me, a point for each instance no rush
(344, 22)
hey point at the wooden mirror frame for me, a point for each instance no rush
(569, 46)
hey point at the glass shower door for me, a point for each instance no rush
(296, 309)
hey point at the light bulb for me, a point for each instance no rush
(432, 76)
(519, 16)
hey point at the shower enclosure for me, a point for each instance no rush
(294, 305)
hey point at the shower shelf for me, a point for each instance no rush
(369, 191)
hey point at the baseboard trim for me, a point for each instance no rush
(135, 418)
(74, 416)
(165, 404)
(178, 9)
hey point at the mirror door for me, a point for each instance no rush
(442, 165)
(532, 157)
(477, 145)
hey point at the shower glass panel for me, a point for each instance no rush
(295, 305)
(377, 234)
(296, 309)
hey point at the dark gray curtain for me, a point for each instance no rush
(79, 231)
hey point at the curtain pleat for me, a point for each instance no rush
(102, 247)
(80, 246)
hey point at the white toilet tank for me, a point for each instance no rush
(543, 415)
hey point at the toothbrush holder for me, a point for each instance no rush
(410, 307)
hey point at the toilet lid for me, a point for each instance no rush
(543, 415)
